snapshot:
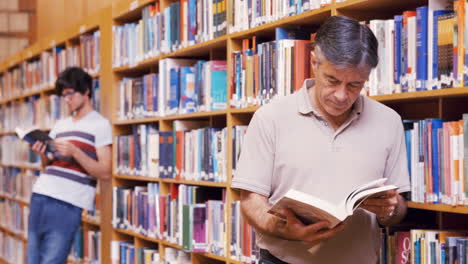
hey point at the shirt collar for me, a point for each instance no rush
(305, 105)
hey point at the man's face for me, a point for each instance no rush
(73, 98)
(337, 88)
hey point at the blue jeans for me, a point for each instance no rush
(52, 227)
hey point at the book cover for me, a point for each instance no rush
(34, 134)
(310, 209)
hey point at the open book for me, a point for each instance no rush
(310, 209)
(34, 134)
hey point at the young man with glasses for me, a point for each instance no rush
(68, 185)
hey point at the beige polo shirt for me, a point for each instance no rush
(289, 145)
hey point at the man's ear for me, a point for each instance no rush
(313, 61)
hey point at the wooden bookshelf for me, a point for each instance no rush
(126, 11)
(20, 201)
(439, 207)
(66, 38)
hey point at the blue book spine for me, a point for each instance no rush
(436, 124)
(175, 89)
(238, 59)
(421, 48)
(397, 60)
(187, 89)
(192, 10)
(155, 86)
(417, 252)
(218, 86)
(145, 94)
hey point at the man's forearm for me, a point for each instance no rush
(255, 209)
(398, 214)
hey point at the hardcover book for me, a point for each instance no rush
(310, 209)
(34, 134)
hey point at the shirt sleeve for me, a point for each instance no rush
(255, 166)
(396, 167)
(104, 134)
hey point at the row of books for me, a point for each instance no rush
(17, 184)
(188, 152)
(437, 152)
(16, 152)
(42, 111)
(166, 29)
(12, 249)
(181, 86)
(243, 237)
(37, 111)
(41, 72)
(190, 216)
(86, 247)
(424, 246)
(264, 70)
(125, 252)
(87, 53)
(250, 14)
(238, 133)
(421, 50)
(14, 217)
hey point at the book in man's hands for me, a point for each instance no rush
(34, 134)
(310, 209)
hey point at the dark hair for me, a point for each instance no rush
(343, 41)
(76, 79)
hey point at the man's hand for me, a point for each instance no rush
(382, 204)
(38, 147)
(65, 148)
(293, 229)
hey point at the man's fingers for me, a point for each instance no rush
(324, 234)
(381, 202)
(316, 227)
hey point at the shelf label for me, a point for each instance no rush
(29, 54)
(133, 5)
(82, 29)
(52, 43)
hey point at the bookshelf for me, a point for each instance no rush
(443, 103)
(80, 35)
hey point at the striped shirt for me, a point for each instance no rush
(67, 180)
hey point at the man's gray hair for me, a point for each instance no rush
(345, 42)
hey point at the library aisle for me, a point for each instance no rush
(180, 81)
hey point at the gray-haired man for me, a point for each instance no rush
(326, 139)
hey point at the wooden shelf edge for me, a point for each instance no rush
(171, 117)
(168, 180)
(25, 203)
(212, 256)
(421, 95)
(121, 9)
(439, 207)
(168, 244)
(13, 234)
(136, 178)
(84, 219)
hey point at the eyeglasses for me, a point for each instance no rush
(68, 95)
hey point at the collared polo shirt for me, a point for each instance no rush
(289, 145)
